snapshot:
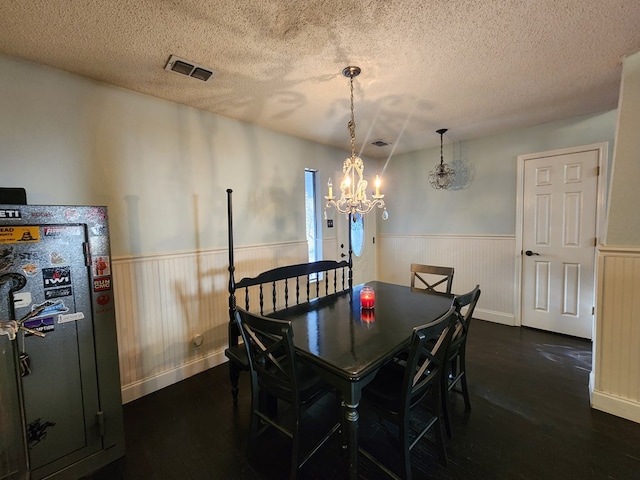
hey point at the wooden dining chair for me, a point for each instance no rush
(400, 387)
(276, 372)
(431, 276)
(455, 378)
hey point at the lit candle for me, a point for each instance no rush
(346, 186)
(377, 184)
(330, 185)
(367, 297)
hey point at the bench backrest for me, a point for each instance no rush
(292, 285)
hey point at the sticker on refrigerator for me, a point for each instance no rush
(56, 277)
(19, 234)
(58, 292)
(71, 214)
(59, 231)
(71, 317)
(56, 258)
(50, 307)
(101, 266)
(22, 299)
(97, 213)
(30, 269)
(103, 299)
(10, 213)
(40, 324)
(101, 283)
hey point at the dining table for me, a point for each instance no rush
(347, 344)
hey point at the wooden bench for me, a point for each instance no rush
(275, 290)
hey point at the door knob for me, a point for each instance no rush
(528, 253)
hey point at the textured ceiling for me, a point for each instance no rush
(475, 67)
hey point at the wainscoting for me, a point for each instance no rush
(167, 304)
(478, 259)
(172, 310)
(616, 382)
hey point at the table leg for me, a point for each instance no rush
(351, 426)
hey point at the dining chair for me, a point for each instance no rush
(400, 387)
(425, 275)
(455, 366)
(277, 373)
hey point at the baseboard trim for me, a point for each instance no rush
(165, 379)
(620, 407)
(495, 317)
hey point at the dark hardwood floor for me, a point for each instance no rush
(530, 419)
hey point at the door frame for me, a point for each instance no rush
(603, 152)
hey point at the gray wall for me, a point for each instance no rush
(161, 168)
(482, 200)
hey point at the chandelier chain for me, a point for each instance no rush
(352, 122)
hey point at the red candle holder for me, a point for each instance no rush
(367, 298)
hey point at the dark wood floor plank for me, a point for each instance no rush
(530, 419)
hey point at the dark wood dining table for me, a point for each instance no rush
(348, 345)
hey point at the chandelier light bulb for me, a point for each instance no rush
(377, 185)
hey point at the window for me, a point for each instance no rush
(312, 212)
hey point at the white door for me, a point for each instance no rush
(558, 241)
(362, 232)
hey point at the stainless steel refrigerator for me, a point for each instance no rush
(60, 402)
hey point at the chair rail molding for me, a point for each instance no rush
(172, 310)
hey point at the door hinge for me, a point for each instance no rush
(87, 253)
(598, 171)
(593, 310)
(100, 419)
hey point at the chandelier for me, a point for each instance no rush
(353, 191)
(443, 175)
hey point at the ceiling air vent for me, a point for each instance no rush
(179, 65)
(380, 143)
